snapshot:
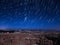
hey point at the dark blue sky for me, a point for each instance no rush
(30, 14)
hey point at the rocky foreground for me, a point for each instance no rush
(28, 37)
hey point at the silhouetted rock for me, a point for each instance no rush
(56, 40)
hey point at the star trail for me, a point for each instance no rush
(30, 14)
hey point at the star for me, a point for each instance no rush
(49, 20)
(21, 4)
(40, 17)
(25, 19)
(53, 20)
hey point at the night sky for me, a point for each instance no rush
(30, 14)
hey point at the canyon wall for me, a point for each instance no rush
(25, 38)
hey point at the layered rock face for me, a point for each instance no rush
(26, 38)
